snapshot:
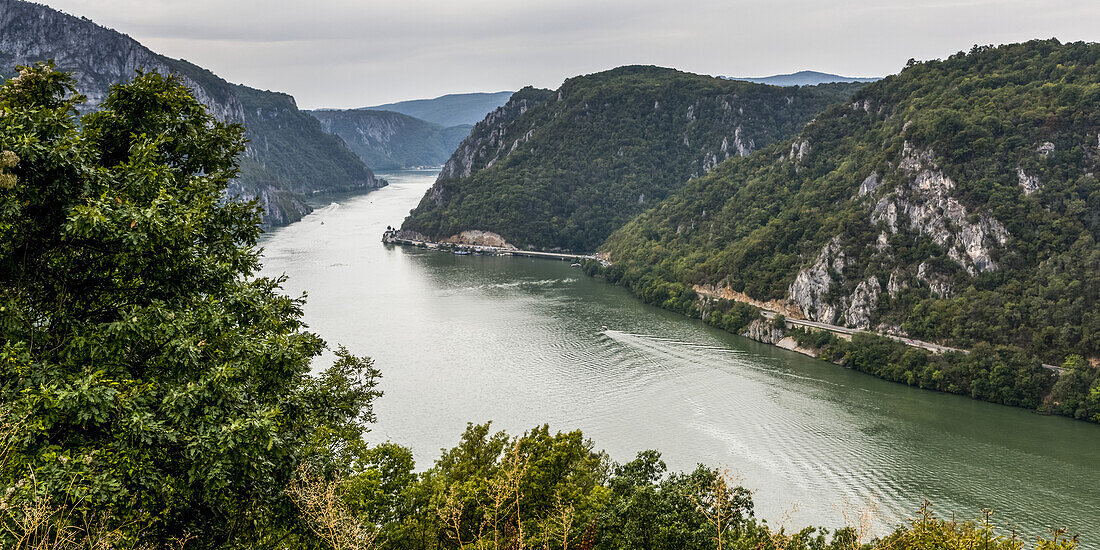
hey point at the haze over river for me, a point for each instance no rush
(522, 342)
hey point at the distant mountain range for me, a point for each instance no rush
(288, 156)
(451, 109)
(801, 78)
(387, 140)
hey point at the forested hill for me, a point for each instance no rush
(288, 156)
(386, 140)
(956, 202)
(563, 169)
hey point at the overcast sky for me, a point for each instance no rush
(352, 53)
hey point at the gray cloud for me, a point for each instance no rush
(348, 53)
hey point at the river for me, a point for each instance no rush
(522, 342)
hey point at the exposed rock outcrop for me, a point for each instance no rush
(939, 284)
(810, 289)
(492, 138)
(98, 57)
(764, 331)
(477, 237)
(896, 283)
(932, 212)
(726, 293)
(862, 303)
(799, 149)
(870, 184)
(919, 203)
(1030, 184)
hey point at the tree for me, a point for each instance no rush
(159, 385)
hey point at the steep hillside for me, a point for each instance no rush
(956, 202)
(802, 78)
(288, 157)
(386, 140)
(449, 110)
(563, 169)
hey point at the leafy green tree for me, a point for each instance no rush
(159, 384)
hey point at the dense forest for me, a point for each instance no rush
(156, 393)
(956, 202)
(564, 169)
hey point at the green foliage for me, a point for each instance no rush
(998, 374)
(577, 164)
(928, 531)
(753, 223)
(157, 384)
(551, 491)
(732, 316)
(156, 390)
(555, 492)
(649, 509)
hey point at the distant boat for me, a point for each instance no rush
(462, 252)
(575, 265)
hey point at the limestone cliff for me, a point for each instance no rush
(493, 137)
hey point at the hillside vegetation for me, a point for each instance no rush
(563, 169)
(955, 202)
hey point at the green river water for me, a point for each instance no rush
(522, 342)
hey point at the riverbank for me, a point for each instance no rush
(995, 373)
(768, 310)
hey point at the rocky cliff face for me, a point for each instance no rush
(386, 140)
(764, 331)
(276, 169)
(494, 136)
(920, 203)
